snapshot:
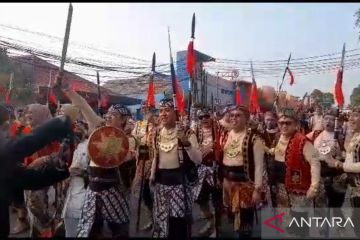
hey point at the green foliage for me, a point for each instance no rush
(326, 100)
(22, 93)
(355, 97)
(357, 20)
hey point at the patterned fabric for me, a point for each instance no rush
(120, 109)
(111, 205)
(169, 201)
(237, 196)
(355, 192)
(166, 102)
(137, 179)
(205, 174)
(321, 199)
(298, 174)
(38, 210)
(289, 200)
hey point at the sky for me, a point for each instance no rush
(242, 31)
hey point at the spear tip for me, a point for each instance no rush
(193, 27)
(153, 62)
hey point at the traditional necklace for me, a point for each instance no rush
(234, 148)
(168, 139)
(281, 146)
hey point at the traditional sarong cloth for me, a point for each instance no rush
(237, 197)
(104, 200)
(38, 209)
(205, 175)
(239, 181)
(169, 201)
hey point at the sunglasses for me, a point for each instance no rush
(203, 117)
(287, 123)
(236, 115)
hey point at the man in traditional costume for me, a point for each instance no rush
(107, 197)
(352, 167)
(144, 133)
(270, 135)
(333, 185)
(242, 163)
(176, 148)
(206, 134)
(296, 169)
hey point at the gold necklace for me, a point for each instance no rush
(281, 147)
(168, 136)
(234, 148)
(167, 140)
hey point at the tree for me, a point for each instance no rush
(355, 97)
(22, 94)
(357, 20)
(324, 99)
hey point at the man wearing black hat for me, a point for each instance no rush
(175, 149)
(242, 163)
(333, 185)
(13, 173)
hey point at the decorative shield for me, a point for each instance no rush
(108, 147)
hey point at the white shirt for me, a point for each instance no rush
(75, 196)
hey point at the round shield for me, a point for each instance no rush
(108, 147)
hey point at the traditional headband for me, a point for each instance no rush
(203, 112)
(241, 108)
(289, 113)
(166, 102)
(120, 109)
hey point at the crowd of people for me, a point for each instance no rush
(230, 163)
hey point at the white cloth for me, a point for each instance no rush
(76, 192)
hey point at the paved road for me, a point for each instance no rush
(197, 225)
(227, 227)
